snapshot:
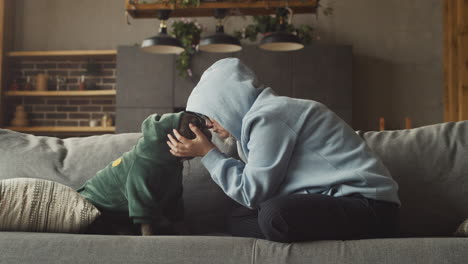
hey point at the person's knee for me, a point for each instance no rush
(271, 221)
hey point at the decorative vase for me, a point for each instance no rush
(20, 117)
(41, 81)
(93, 123)
(106, 120)
(82, 86)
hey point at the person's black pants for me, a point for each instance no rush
(305, 217)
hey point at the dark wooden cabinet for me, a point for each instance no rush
(144, 86)
(149, 83)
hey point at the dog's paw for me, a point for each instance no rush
(147, 230)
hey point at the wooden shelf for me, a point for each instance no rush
(62, 93)
(63, 129)
(62, 53)
(241, 7)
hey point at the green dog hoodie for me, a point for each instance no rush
(146, 181)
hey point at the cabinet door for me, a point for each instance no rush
(144, 79)
(129, 119)
(149, 83)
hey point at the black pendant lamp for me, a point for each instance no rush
(162, 43)
(220, 42)
(281, 40)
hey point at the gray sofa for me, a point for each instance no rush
(429, 163)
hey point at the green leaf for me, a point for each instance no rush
(188, 32)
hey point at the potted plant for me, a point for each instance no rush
(188, 32)
(267, 24)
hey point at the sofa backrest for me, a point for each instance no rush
(68, 161)
(430, 164)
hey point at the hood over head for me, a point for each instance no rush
(225, 93)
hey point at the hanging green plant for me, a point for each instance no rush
(267, 24)
(187, 3)
(188, 32)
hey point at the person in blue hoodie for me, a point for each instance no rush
(305, 174)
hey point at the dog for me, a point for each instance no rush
(144, 185)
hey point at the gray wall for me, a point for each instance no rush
(398, 59)
(397, 46)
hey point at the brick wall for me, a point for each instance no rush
(64, 111)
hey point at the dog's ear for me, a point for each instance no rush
(191, 118)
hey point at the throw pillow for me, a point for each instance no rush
(39, 205)
(462, 229)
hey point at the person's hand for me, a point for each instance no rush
(183, 147)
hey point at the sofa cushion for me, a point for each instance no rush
(69, 161)
(27, 156)
(87, 155)
(43, 206)
(462, 230)
(430, 165)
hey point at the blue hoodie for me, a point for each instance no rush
(292, 146)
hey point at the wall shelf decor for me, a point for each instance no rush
(242, 7)
(70, 102)
(62, 53)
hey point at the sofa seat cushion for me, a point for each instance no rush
(403, 250)
(16, 247)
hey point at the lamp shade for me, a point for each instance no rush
(281, 41)
(220, 43)
(162, 44)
